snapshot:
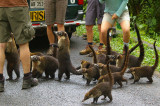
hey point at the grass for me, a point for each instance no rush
(117, 44)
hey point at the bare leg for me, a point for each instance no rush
(89, 33)
(60, 27)
(104, 28)
(50, 34)
(100, 34)
(2, 56)
(125, 25)
(25, 57)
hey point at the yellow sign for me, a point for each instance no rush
(37, 15)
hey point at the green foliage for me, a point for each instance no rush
(147, 13)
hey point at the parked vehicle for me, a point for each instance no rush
(74, 16)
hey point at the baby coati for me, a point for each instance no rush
(118, 76)
(145, 71)
(13, 59)
(44, 63)
(65, 64)
(100, 89)
(133, 60)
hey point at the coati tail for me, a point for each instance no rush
(157, 57)
(125, 63)
(110, 74)
(74, 71)
(94, 54)
(141, 56)
(108, 47)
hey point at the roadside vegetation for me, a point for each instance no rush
(117, 43)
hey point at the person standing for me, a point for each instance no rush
(95, 10)
(116, 10)
(14, 17)
(55, 12)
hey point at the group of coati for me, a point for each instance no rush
(108, 67)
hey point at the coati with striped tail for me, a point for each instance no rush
(44, 62)
(145, 71)
(100, 89)
(118, 76)
(65, 64)
(133, 60)
(13, 59)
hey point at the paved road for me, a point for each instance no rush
(71, 93)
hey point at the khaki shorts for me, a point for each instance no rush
(108, 17)
(55, 11)
(16, 20)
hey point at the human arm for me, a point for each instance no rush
(121, 8)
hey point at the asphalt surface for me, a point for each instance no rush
(71, 92)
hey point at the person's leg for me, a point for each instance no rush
(87, 50)
(25, 57)
(89, 29)
(2, 60)
(100, 37)
(28, 81)
(50, 34)
(50, 14)
(104, 28)
(125, 25)
(60, 27)
(90, 22)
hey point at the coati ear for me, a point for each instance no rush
(82, 61)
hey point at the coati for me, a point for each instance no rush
(44, 63)
(90, 73)
(53, 50)
(145, 71)
(133, 60)
(103, 88)
(87, 64)
(65, 64)
(118, 76)
(13, 59)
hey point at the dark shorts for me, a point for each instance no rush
(16, 20)
(94, 10)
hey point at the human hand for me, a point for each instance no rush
(114, 16)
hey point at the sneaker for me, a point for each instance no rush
(2, 85)
(29, 82)
(85, 51)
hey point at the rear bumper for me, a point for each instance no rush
(66, 24)
(73, 22)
